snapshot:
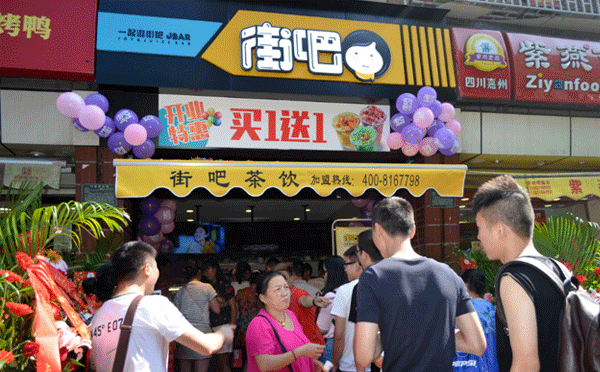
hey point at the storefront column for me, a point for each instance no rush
(86, 170)
(437, 228)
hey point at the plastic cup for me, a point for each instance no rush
(344, 124)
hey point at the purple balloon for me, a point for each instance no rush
(399, 121)
(452, 150)
(149, 206)
(412, 134)
(426, 96)
(145, 150)
(165, 246)
(107, 129)
(407, 103)
(436, 108)
(437, 124)
(98, 100)
(125, 117)
(444, 138)
(118, 144)
(149, 225)
(78, 126)
(152, 124)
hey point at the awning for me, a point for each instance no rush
(139, 178)
(549, 187)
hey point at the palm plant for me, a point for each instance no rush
(573, 241)
(27, 227)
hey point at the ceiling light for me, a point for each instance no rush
(557, 199)
(307, 209)
(296, 218)
(541, 163)
(464, 199)
(582, 162)
(190, 220)
(190, 211)
(462, 206)
(497, 161)
(248, 210)
(547, 205)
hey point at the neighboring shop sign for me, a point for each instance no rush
(153, 35)
(139, 178)
(216, 122)
(99, 193)
(16, 173)
(437, 201)
(272, 45)
(482, 64)
(49, 39)
(549, 188)
(555, 70)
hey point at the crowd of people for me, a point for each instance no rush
(380, 306)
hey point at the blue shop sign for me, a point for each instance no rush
(130, 33)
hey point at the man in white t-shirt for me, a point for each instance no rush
(343, 337)
(156, 323)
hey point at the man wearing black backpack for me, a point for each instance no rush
(529, 312)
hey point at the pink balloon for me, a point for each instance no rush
(153, 239)
(394, 141)
(169, 204)
(92, 117)
(423, 117)
(428, 147)
(167, 228)
(359, 203)
(135, 134)
(69, 104)
(454, 126)
(164, 216)
(410, 149)
(448, 112)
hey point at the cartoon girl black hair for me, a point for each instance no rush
(366, 54)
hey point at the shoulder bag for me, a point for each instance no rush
(124, 336)
(283, 349)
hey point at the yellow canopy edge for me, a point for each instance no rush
(549, 188)
(139, 178)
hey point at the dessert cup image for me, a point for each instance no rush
(364, 138)
(372, 116)
(344, 124)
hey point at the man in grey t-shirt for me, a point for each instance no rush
(416, 302)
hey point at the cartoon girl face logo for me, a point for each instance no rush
(365, 61)
(366, 55)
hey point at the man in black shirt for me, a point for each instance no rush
(531, 305)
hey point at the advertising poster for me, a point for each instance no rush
(217, 122)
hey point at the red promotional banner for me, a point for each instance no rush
(48, 39)
(482, 64)
(555, 70)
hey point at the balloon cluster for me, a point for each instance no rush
(124, 133)
(424, 124)
(365, 206)
(157, 219)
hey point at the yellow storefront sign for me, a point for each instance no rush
(273, 45)
(549, 188)
(345, 237)
(139, 178)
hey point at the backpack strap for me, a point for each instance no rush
(121, 352)
(283, 349)
(564, 283)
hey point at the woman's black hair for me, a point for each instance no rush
(126, 263)
(255, 277)
(263, 283)
(213, 262)
(190, 271)
(336, 275)
(241, 269)
(475, 281)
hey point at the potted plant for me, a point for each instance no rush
(26, 229)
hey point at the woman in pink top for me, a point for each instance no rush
(264, 350)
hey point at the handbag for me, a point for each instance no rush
(283, 349)
(124, 336)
